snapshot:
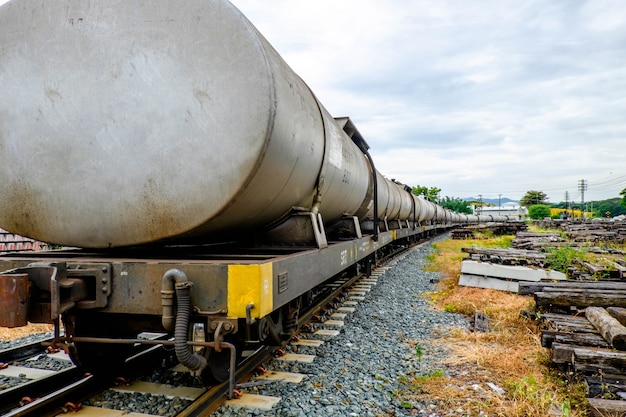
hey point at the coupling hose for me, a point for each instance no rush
(174, 277)
(196, 363)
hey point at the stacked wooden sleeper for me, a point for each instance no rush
(593, 344)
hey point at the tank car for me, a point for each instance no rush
(193, 179)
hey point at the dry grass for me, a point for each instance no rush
(7, 334)
(510, 356)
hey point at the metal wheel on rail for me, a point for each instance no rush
(218, 367)
(270, 328)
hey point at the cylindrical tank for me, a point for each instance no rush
(407, 205)
(395, 200)
(428, 210)
(472, 218)
(440, 214)
(383, 198)
(124, 122)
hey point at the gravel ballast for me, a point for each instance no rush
(35, 337)
(387, 339)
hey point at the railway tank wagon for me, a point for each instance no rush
(202, 186)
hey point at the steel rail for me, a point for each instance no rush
(52, 399)
(17, 353)
(213, 397)
(211, 400)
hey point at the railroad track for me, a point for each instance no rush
(86, 395)
(322, 327)
(31, 371)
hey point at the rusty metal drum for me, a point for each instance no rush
(125, 122)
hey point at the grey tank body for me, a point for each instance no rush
(124, 122)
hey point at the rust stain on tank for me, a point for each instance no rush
(161, 219)
(201, 96)
(53, 95)
(23, 211)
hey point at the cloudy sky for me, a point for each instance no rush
(476, 97)
(472, 96)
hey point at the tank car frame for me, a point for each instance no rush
(276, 197)
(238, 294)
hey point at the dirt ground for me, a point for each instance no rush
(7, 334)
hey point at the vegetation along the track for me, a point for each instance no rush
(508, 359)
(501, 372)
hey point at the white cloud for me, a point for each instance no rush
(474, 97)
(601, 15)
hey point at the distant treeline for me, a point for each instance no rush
(604, 208)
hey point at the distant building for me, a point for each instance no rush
(511, 209)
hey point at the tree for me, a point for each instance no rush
(533, 197)
(538, 211)
(623, 194)
(613, 206)
(431, 193)
(456, 204)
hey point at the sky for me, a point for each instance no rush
(476, 97)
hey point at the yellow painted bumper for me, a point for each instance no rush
(250, 284)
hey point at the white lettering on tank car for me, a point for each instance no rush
(335, 155)
(344, 257)
(364, 247)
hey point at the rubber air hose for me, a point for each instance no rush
(195, 362)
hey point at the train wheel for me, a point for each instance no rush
(270, 328)
(290, 323)
(217, 370)
(218, 367)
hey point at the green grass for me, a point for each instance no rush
(561, 258)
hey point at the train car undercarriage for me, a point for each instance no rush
(211, 302)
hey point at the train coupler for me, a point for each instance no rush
(41, 292)
(14, 294)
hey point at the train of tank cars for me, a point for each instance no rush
(204, 190)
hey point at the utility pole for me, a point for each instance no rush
(499, 205)
(582, 187)
(566, 202)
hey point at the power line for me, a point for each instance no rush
(598, 184)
